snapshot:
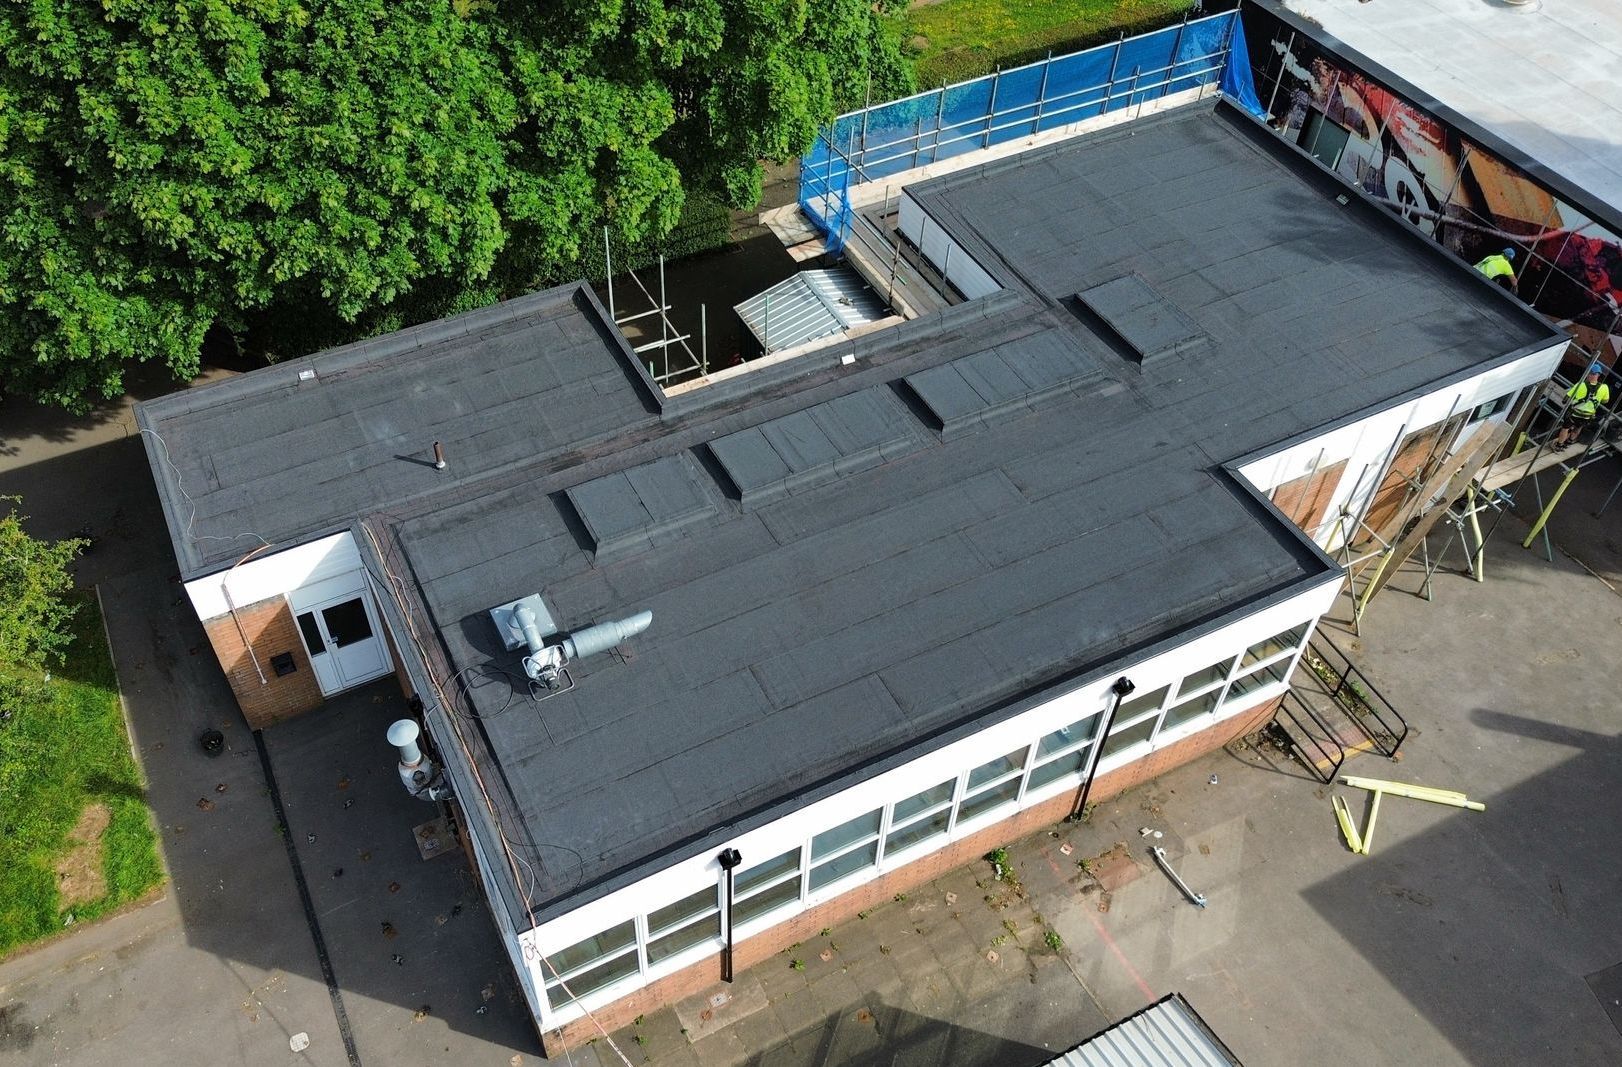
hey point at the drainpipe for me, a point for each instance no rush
(729, 860)
(230, 606)
(1122, 689)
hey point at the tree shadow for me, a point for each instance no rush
(101, 785)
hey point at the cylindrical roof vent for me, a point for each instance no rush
(403, 735)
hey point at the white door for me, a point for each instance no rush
(344, 643)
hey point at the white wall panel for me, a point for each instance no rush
(274, 573)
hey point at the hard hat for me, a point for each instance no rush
(1597, 368)
(1509, 253)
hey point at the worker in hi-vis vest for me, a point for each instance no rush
(1498, 268)
(1586, 398)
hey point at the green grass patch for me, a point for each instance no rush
(56, 759)
(961, 39)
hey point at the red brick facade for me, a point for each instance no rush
(805, 926)
(271, 631)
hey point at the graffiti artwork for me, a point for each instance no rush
(1489, 212)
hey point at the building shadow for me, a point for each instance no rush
(226, 859)
(1490, 924)
(887, 1035)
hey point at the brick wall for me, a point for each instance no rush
(271, 629)
(400, 674)
(1305, 500)
(806, 925)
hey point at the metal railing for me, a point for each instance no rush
(1059, 91)
(1351, 690)
(1315, 732)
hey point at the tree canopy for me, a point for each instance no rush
(171, 165)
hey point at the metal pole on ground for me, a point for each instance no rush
(703, 340)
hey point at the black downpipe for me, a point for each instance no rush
(729, 860)
(1122, 689)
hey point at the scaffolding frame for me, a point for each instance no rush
(697, 364)
(1483, 496)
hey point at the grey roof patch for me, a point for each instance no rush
(1010, 379)
(642, 506)
(272, 457)
(810, 305)
(1141, 318)
(810, 447)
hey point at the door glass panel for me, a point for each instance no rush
(312, 633)
(347, 622)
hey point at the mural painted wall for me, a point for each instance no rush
(1567, 266)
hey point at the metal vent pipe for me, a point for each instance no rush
(403, 735)
(604, 635)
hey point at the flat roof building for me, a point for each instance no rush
(893, 580)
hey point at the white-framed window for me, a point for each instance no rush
(921, 817)
(1063, 754)
(1266, 662)
(589, 965)
(1135, 723)
(850, 847)
(692, 920)
(993, 785)
(766, 887)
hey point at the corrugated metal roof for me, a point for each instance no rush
(1168, 1033)
(809, 305)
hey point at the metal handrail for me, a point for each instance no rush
(1337, 758)
(1352, 684)
(976, 128)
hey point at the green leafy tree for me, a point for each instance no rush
(171, 165)
(34, 611)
